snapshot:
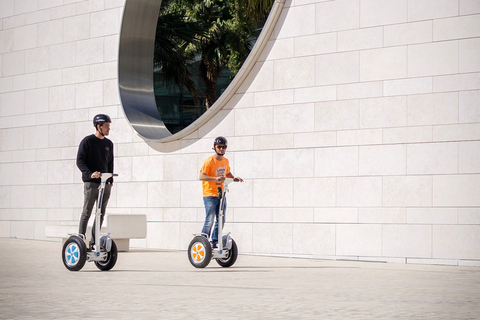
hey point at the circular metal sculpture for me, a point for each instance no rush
(135, 70)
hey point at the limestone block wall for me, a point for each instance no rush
(357, 132)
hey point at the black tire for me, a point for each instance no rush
(74, 253)
(199, 252)
(109, 263)
(231, 257)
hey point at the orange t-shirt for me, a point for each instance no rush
(214, 168)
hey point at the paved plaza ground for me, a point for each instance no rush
(153, 284)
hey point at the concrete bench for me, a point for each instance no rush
(122, 228)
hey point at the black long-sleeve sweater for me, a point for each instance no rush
(95, 154)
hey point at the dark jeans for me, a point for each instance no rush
(90, 192)
(212, 206)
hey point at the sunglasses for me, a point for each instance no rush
(221, 147)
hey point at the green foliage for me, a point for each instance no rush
(217, 33)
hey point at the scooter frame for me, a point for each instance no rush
(103, 243)
(226, 243)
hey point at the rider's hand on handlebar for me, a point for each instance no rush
(95, 175)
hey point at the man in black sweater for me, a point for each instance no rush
(95, 156)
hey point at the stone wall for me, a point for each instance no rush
(357, 132)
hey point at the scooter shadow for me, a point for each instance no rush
(252, 269)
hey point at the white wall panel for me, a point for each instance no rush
(440, 108)
(76, 28)
(407, 33)
(444, 216)
(286, 118)
(277, 97)
(382, 160)
(314, 94)
(358, 239)
(281, 197)
(335, 215)
(468, 157)
(457, 242)
(62, 55)
(423, 59)
(431, 9)
(297, 21)
(432, 158)
(384, 63)
(275, 238)
(50, 32)
(468, 55)
(314, 192)
(13, 63)
(337, 68)
(407, 134)
(469, 131)
(293, 163)
(311, 45)
(281, 49)
(407, 191)
(407, 241)
(469, 106)
(359, 192)
(313, 239)
(456, 190)
(293, 215)
(336, 162)
(383, 12)
(469, 7)
(357, 131)
(456, 28)
(273, 141)
(336, 115)
(359, 137)
(360, 90)
(468, 216)
(262, 169)
(383, 112)
(294, 73)
(337, 15)
(382, 215)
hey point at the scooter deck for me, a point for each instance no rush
(97, 256)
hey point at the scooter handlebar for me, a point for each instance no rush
(106, 176)
(230, 180)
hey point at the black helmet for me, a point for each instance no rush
(100, 119)
(220, 140)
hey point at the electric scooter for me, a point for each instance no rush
(200, 252)
(104, 254)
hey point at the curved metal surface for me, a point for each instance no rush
(135, 70)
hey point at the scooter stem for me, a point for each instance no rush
(98, 212)
(221, 213)
(220, 220)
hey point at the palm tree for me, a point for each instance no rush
(258, 10)
(171, 59)
(224, 44)
(222, 38)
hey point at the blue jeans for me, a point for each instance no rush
(212, 207)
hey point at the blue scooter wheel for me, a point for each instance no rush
(74, 253)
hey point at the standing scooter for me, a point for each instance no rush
(75, 253)
(200, 251)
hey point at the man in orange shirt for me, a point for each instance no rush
(212, 174)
